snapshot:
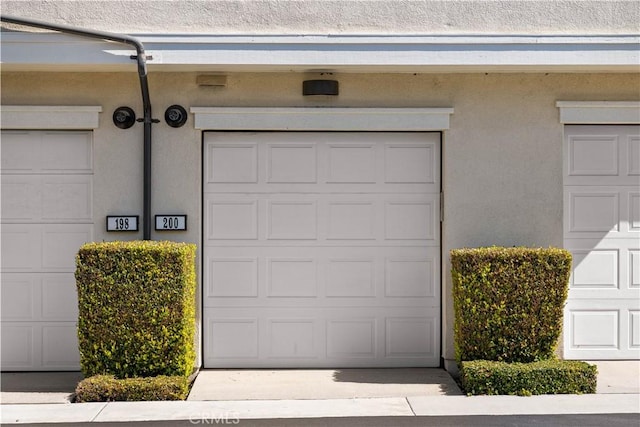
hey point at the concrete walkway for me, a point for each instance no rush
(233, 394)
(260, 409)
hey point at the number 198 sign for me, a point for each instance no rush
(122, 223)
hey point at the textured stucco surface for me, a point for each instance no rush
(339, 16)
(502, 156)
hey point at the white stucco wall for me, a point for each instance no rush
(339, 16)
(502, 156)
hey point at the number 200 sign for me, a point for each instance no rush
(171, 222)
(122, 223)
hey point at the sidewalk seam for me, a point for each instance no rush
(99, 412)
(410, 407)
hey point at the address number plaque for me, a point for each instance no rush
(122, 223)
(171, 222)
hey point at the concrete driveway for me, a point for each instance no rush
(614, 377)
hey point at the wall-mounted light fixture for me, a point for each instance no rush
(175, 116)
(124, 117)
(320, 87)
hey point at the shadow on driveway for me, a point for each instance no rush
(39, 382)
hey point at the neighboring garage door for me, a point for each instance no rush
(602, 230)
(321, 249)
(46, 217)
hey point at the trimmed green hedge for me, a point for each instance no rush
(508, 302)
(136, 308)
(106, 388)
(524, 379)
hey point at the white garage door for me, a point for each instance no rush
(321, 249)
(46, 217)
(602, 230)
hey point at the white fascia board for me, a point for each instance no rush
(52, 51)
(599, 112)
(52, 117)
(326, 119)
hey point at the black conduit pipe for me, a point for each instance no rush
(144, 86)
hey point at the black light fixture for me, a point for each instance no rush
(320, 87)
(175, 116)
(124, 117)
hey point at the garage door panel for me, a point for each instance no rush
(596, 268)
(604, 267)
(21, 248)
(39, 297)
(67, 152)
(409, 277)
(61, 242)
(411, 337)
(609, 153)
(18, 296)
(634, 268)
(634, 329)
(595, 328)
(333, 219)
(51, 346)
(593, 154)
(292, 220)
(351, 163)
(47, 152)
(291, 163)
(67, 198)
(410, 220)
(18, 346)
(602, 212)
(232, 163)
(47, 214)
(633, 156)
(46, 198)
(20, 152)
(321, 337)
(410, 163)
(609, 330)
(352, 338)
(232, 219)
(356, 162)
(295, 338)
(59, 297)
(20, 198)
(57, 340)
(230, 338)
(602, 231)
(289, 272)
(634, 212)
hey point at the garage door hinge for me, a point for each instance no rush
(441, 207)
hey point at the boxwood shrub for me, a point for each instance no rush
(524, 379)
(136, 308)
(508, 302)
(107, 388)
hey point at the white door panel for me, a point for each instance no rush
(321, 249)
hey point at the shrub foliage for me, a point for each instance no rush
(508, 302)
(107, 388)
(524, 379)
(136, 308)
